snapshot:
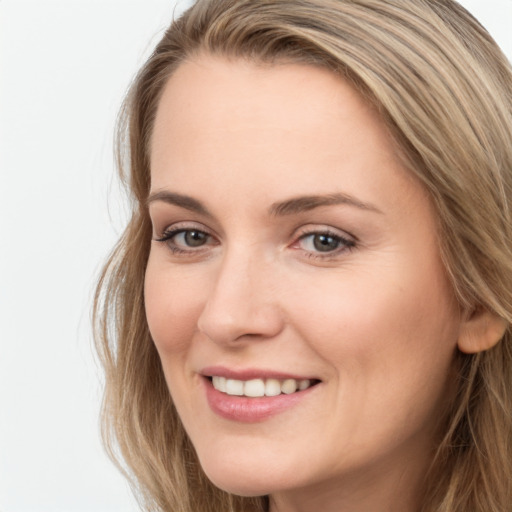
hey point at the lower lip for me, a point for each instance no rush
(251, 410)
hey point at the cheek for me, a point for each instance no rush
(172, 309)
(398, 324)
(389, 341)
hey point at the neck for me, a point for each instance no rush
(385, 487)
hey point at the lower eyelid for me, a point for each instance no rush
(168, 239)
(329, 255)
(170, 233)
(342, 238)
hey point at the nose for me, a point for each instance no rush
(242, 302)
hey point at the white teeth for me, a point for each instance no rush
(259, 387)
(219, 383)
(254, 388)
(289, 386)
(234, 387)
(272, 387)
(304, 384)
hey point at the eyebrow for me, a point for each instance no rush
(307, 203)
(291, 206)
(183, 201)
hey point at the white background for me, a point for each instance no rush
(64, 67)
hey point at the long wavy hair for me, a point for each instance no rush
(444, 89)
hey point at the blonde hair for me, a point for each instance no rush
(445, 91)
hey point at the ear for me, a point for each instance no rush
(480, 330)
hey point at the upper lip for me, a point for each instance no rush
(250, 373)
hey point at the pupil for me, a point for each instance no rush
(325, 243)
(195, 238)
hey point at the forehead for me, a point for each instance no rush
(289, 128)
(215, 95)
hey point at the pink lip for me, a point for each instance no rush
(249, 373)
(249, 410)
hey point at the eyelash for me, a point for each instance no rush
(168, 235)
(344, 244)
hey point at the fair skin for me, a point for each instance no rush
(348, 292)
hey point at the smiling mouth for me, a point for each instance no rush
(255, 388)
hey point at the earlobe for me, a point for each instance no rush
(480, 331)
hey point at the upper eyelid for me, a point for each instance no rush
(319, 229)
(185, 226)
(296, 233)
(168, 235)
(346, 240)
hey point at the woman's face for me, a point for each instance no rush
(293, 249)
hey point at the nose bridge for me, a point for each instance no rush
(240, 301)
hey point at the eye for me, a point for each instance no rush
(191, 238)
(185, 240)
(321, 242)
(326, 243)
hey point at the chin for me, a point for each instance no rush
(244, 479)
(240, 484)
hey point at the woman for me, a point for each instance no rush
(310, 307)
